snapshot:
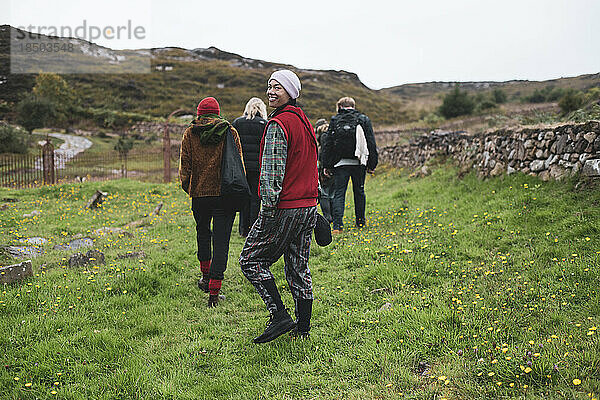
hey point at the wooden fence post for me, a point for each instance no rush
(48, 163)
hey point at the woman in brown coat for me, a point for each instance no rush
(200, 175)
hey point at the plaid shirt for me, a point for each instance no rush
(272, 169)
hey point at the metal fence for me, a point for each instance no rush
(28, 170)
(19, 170)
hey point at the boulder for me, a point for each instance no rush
(75, 244)
(559, 145)
(36, 240)
(539, 153)
(556, 172)
(96, 199)
(520, 152)
(583, 158)
(590, 137)
(15, 273)
(580, 145)
(591, 168)
(497, 170)
(91, 257)
(536, 165)
(23, 251)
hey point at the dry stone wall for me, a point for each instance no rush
(550, 152)
(158, 128)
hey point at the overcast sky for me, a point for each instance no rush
(386, 43)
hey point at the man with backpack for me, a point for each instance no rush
(288, 187)
(349, 152)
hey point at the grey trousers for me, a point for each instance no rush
(278, 232)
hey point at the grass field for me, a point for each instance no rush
(457, 289)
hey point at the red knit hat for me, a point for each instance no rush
(208, 105)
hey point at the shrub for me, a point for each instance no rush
(583, 115)
(124, 145)
(54, 89)
(592, 94)
(12, 140)
(571, 101)
(499, 96)
(111, 119)
(547, 94)
(555, 94)
(457, 103)
(536, 97)
(4, 108)
(486, 104)
(432, 120)
(34, 112)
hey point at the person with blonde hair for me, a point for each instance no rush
(250, 127)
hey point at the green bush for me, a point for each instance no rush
(34, 112)
(110, 118)
(499, 96)
(583, 115)
(545, 95)
(486, 104)
(4, 108)
(536, 97)
(571, 101)
(457, 103)
(555, 94)
(12, 140)
(432, 120)
(592, 94)
(124, 145)
(54, 89)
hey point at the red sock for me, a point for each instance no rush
(214, 286)
(205, 267)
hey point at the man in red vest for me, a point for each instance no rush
(288, 187)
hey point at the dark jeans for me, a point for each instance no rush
(207, 209)
(341, 176)
(326, 199)
(249, 213)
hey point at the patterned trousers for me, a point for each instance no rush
(278, 232)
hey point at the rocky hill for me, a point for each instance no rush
(157, 81)
(514, 88)
(178, 78)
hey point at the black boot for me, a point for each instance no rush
(279, 323)
(213, 300)
(203, 284)
(303, 314)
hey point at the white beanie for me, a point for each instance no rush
(289, 81)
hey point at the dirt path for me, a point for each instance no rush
(72, 146)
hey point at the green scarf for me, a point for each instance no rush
(211, 128)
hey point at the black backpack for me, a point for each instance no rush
(344, 134)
